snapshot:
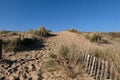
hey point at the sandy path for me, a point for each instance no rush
(27, 65)
(65, 38)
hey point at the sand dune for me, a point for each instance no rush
(27, 65)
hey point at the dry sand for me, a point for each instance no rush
(27, 65)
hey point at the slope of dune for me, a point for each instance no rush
(27, 65)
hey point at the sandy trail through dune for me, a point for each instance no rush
(27, 65)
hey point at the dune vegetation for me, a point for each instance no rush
(42, 56)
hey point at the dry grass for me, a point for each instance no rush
(114, 34)
(109, 52)
(74, 30)
(40, 32)
(20, 44)
(4, 32)
(67, 61)
(97, 37)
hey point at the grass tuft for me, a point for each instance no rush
(74, 30)
(66, 61)
(40, 32)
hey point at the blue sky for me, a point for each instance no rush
(57, 15)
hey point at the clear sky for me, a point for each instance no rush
(57, 15)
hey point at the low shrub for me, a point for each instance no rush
(74, 30)
(4, 32)
(12, 33)
(97, 37)
(40, 32)
(20, 45)
(114, 34)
